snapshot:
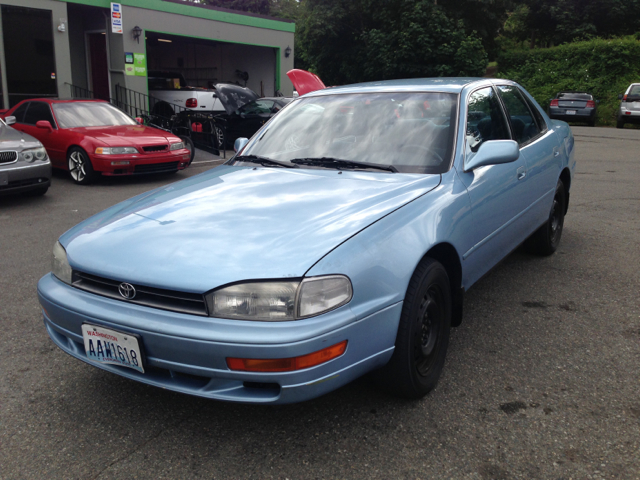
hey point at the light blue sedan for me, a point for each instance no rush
(340, 240)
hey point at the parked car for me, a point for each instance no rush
(340, 240)
(248, 119)
(629, 111)
(574, 107)
(170, 95)
(24, 163)
(91, 138)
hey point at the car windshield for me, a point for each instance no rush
(89, 114)
(575, 96)
(411, 132)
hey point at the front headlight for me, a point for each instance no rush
(282, 300)
(60, 266)
(115, 150)
(33, 154)
(177, 146)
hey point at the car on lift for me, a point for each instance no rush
(340, 240)
(89, 138)
(574, 107)
(169, 94)
(629, 111)
(24, 163)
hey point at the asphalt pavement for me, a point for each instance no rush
(542, 378)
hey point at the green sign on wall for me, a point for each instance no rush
(138, 67)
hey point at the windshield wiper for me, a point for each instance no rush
(330, 162)
(264, 161)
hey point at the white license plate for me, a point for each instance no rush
(571, 112)
(104, 345)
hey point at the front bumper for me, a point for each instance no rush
(132, 164)
(23, 177)
(187, 353)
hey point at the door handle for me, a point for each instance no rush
(521, 173)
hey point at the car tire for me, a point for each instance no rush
(546, 239)
(80, 167)
(592, 123)
(219, 140)
(619, 123)
(188, 143)
(423, 334)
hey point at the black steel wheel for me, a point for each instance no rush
(546, 239)
(423, 334)
(80, 167)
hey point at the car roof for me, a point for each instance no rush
(63, 100)
(439, 84)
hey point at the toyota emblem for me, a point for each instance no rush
(127, 291)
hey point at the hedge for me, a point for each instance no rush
(604, 68)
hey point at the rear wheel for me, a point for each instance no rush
(546, 239)
(620, 123)
(80, 167)
(423, 334)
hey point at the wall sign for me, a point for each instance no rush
(128, 57)
(116, 18)
(139, 66)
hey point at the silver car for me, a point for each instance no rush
(629, 111)
(24, 163)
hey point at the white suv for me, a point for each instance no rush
(629, 106)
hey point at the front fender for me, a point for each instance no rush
(381, 259)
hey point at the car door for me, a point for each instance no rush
(540, 147)
(52, 140)
(498, 193)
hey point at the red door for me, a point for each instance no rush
(99, 65)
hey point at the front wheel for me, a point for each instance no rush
(80, 167)
(546, 239)
(423, 334)
(188, 144)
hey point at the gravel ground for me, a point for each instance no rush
(542, 378)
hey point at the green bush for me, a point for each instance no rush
(604, 68)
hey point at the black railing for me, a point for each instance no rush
(79, 92)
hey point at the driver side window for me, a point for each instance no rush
(485, 119)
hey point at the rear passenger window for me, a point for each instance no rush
(19, 113)
(38, 111)
(536, 113)
(524, 125)
(485, 119)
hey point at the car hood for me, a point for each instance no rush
(11, 139)
(233, 97)
(125, 135)
(235, 223)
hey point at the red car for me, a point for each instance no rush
(92, 137)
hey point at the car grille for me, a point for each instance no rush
(155, 148)
(8, 157)
(156, 167)
(175, 301)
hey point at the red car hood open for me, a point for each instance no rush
(126, 135)
(305, 82)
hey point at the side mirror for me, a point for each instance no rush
(239, 144)
(493, 152)
(44, 124)
(215, 95)
(619, 96)
(140, 120)
(10, 120)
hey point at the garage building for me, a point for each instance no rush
(64, 48)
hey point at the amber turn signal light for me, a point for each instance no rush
(287, 364)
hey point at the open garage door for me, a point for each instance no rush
(204, 62)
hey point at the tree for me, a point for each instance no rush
(346, 41)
